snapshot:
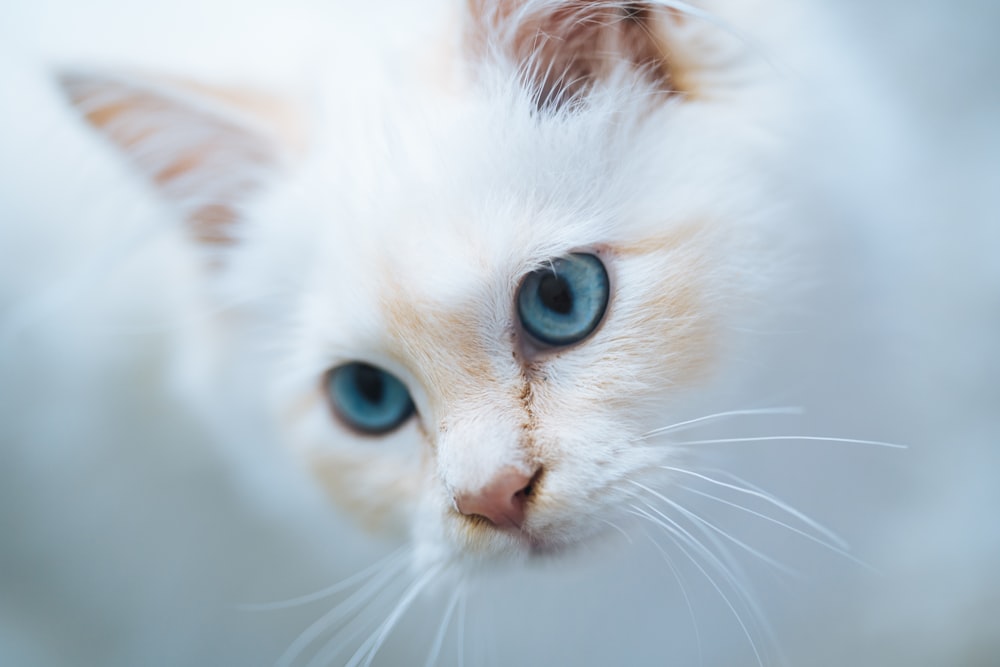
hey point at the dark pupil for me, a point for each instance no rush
(370, 384)
(555, 294)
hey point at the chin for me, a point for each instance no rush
(477, 546)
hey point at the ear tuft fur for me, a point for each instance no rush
(203, 151)
(564, 47)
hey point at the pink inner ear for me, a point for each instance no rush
(204, 157)
(564, 47)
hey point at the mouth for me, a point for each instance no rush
(541, 550)
(481, 537)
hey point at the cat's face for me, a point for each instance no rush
(508, 420)
(483, 296)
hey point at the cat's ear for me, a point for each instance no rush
(564, 47)
(205, 150)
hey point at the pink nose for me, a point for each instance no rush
(501, 500)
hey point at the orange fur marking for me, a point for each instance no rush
(579, 43)
(284, 120)
(127, 113)
(372, 491)
(675, 302)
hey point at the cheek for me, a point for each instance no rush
(378, 492)
(376, 481)
(659, 339)
(587, 455)
(665, 324)
(673, 327)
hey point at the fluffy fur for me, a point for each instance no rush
(388, 215)
(400, 238)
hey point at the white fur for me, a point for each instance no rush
(458, 195)
(457, 192)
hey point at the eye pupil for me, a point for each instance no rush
(369, 383)
(555, 294)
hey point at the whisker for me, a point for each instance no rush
(355, 578)
(460, 635)
(726, 570)
(713, 557)
(684, 593)
(366, 652)
(812, 538)
(768, 498)
(711, 581)
(359, 598)
(344, 637)
(619, 529)
(812, 438)
(746, 547)
(789, 410)
(443, 630)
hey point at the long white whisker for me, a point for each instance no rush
(360, 597)
(812, 538)
(619, 529)
(726, 570)
(460, 635)
(746, 547)
(355, 578)
(711, 581)
(366, 652)
(790, 410)
(443, 630)
(679, 531)
(713, 558)
(837, 541)
(770, 438)
(684, 593)
(344, 637)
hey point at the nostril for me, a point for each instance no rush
(529, 488)
(501, 500)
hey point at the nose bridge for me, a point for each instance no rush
(476, 399)
(486, 467)
(475, 446)
(474, 388)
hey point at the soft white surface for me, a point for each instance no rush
(121, 551)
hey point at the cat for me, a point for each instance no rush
(461, 385)
(481, 283)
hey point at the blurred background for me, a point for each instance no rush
(132, 529)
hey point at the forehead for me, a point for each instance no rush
(442, 202)
(479, 165)
(445, 201)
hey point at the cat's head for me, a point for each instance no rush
(484, 279)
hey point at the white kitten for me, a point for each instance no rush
(408, 219)
(498, 273)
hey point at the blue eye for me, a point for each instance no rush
(367, 398)
(564, 302)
